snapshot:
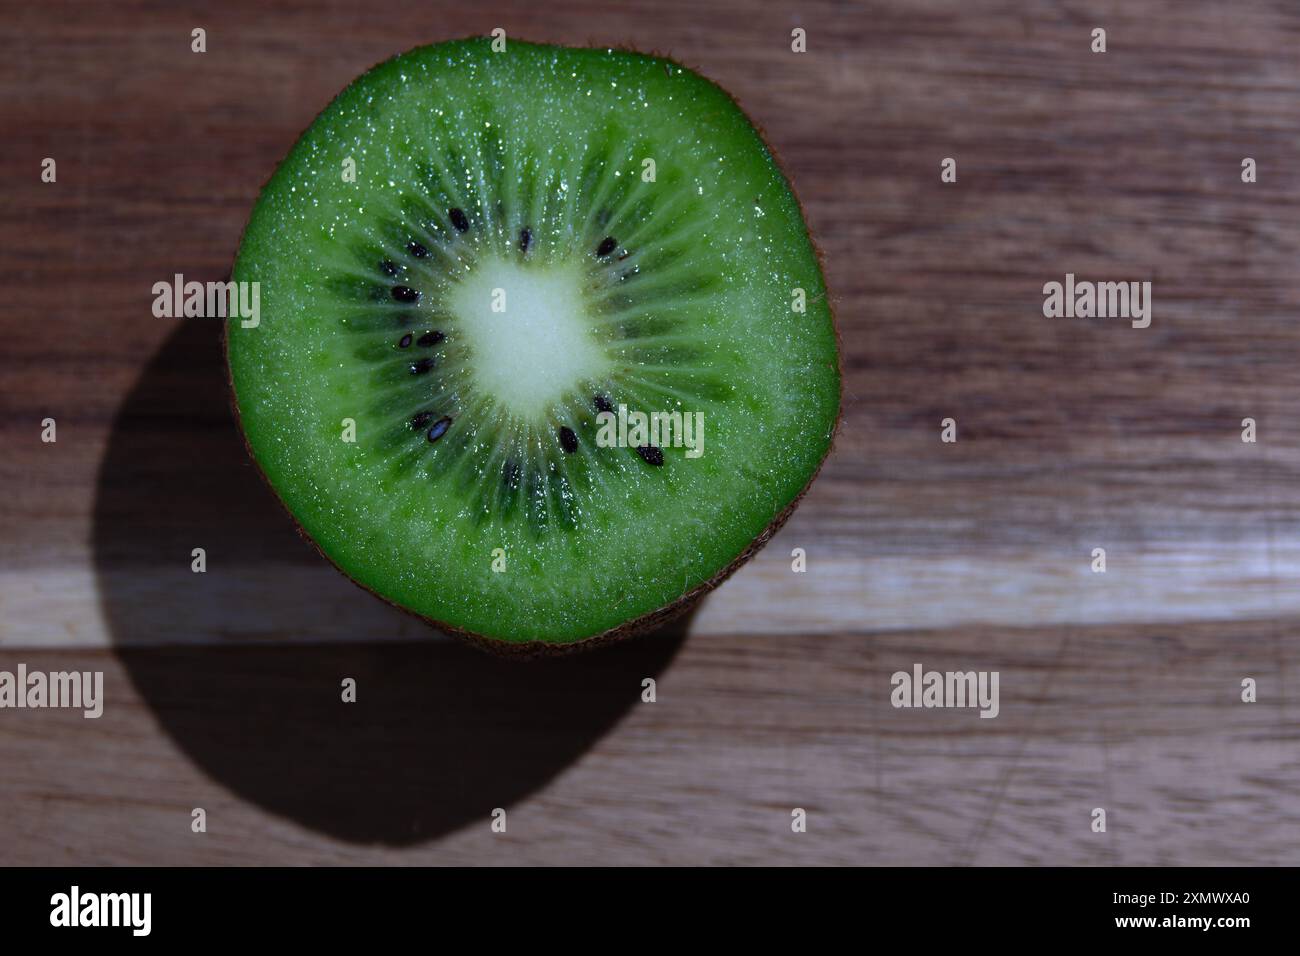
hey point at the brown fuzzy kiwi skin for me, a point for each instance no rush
(652, 620)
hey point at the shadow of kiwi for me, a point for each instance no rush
(440, 733)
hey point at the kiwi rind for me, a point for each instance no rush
(656, 618)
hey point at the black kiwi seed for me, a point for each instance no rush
(430, 338)
(405, 294)
(607, 245)
(439, 428)
(420, 419)
(422, 366)
(406, 341)
(388, 268)
(568, 440)
(510, 472)
(417, 250)
(602, 404)
(525, 237)
(459, 219)
(652, 454)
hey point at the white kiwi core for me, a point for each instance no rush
(530, 336)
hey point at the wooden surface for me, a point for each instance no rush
(1118, 690)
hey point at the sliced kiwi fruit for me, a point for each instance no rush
(471, 263)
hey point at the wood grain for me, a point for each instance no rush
(1118, 690)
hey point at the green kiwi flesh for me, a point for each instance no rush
(463, 261)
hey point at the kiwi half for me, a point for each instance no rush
(470, 255)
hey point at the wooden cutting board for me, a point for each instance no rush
(1118, 690)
